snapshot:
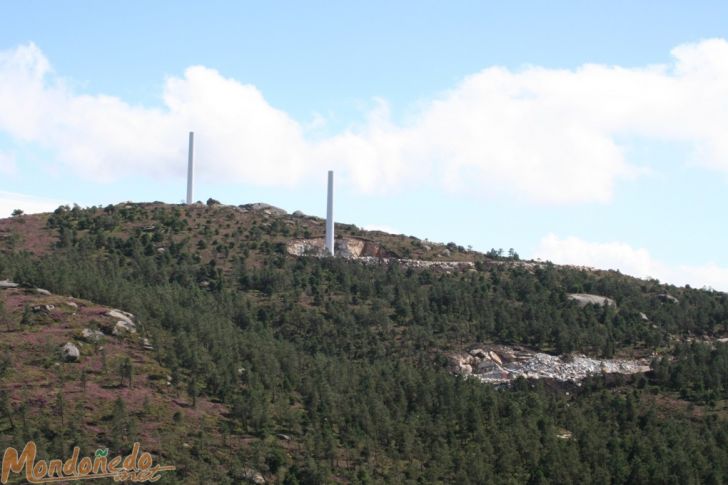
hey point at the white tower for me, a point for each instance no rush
(190, 171)
(330, 215)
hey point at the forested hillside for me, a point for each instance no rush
(320, 370)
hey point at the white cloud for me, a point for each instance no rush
(636, 262)
(7, 164)
(545, 134)
(238, 135)
(29, 204)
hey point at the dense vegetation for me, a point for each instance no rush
(348, 359)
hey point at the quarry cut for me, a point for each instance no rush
(500, 364)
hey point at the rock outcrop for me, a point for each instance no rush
(667, 298)
(121, 315)
(124, 324)
(7, 284)
(584, 299)
(265, 208)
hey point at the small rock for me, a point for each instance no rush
(8, 284)
(70, 352)
(121, 315)
(644, 317)
(123, 327)
(298, 214)
(283, 436)
(72, 304)
(253, 476)
(92, 336)
(479, 353)
(41, 291)
(146, 344)
(494, 357)
(161, 250)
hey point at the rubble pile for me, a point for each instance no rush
(307, 247)
(369, 252)
(420, 264)
(499, 364)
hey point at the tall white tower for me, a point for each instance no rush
(330, 215)
(190, 171)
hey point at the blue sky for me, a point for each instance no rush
(582, 132)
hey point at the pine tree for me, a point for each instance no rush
(192, 390)
(126, 371)
(119, 424)
(5, 407)
(27, 315)
(84, 379)
(60, 408)
(4, 317)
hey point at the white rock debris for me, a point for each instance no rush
(584, 299)
(499, 364)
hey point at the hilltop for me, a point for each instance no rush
(309, 369)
